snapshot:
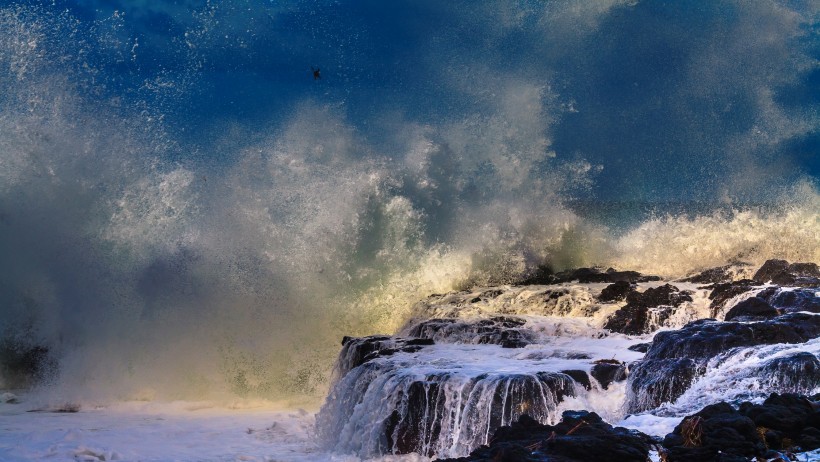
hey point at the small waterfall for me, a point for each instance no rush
(382, 407)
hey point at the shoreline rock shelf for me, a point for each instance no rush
(542, 369)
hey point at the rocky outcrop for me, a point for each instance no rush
(507, 331)
(634, 318)
(382, 408)
(723, 292)
(711, 276)
(491, 366)
(544, 275)
(359, 350)
(751, 309)
(717, 429)
(781, 424)
(792, 299)
(783, 273)
(607, 371)
(677, 357)
(579, 436)
(615, 292)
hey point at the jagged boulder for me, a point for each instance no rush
(783, 273)
(711, 276)
(580, 436)
(723, 292)
(705, 338)
(786, 422)
(507, 331)
(615, 292)
(544, 275)
(607, 371)
(716, 429)
(359, 350)
(751, 309)
(634, 317)
(792, 299)
(580, 377)
(677, 357)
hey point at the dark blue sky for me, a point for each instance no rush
(695, 100)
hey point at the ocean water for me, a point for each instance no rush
(187, 214)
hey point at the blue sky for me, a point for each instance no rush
(668, 100)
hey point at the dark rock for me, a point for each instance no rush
(721, 293)
(359, 350)
(656, 381)
(791, 300)
(410, 428)
(751, 309)
(797, 372)
(716, 430)
(580, 377)
(665, 295)
(677, 357)
(782, 273)
(634, 317)
(711, 276)
(499, 330)
(580, 436)
(544, 275)
(629, 320)
(706, 338)
(415, 425)
(771, 270)
(786, 413)
(615, 292)
(606, 372)
(640, 347)
(490, 294)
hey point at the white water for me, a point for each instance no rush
(164, 245)
(470, 389)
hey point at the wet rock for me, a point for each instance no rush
(580, 377)
(634, 317)
(677, 357)
(751, 309)
(607, 371)
(506, 331)
(716, 430)
(721, 293)
(792, 419)
(792, 299)
(796, 372)
(381, 407)
(415, 424)
(782, 273)
(785, 422)
(615, 292)
(359, 350)
(491, 294)
(706, 338)
(640, 347)
(653, 382)
(711, 276)
(629, 320)
(544, 275)
(580, 436)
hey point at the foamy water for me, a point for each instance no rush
(186, 213)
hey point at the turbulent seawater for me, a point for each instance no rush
(188, 213)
